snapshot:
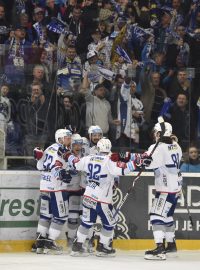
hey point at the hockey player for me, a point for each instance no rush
(168, 181)
(95, 133)
(75, 191)
(97, 199)
(54, 198)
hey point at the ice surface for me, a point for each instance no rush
(124, 260)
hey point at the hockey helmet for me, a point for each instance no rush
(104, 145)
(61, 133)
(76, 139)
(168, 129)
(94, 130)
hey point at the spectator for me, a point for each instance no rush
(130, 114)
(71, 115)
(24, 22)
(18, 58)
(71, 69)
(179, 85)
(191, 162)
(152, 95)
(98, 109)
(73, 19)
(36, 119)
(4, 34)
(179, 118)
(5, 108)
(39, 77)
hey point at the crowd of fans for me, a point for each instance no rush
(118, 64)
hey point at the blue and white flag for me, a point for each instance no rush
(122, 53)
(167, 9)
(166, 106)
(106, 73)
(39, 30)
(56, 26)
(138, 35)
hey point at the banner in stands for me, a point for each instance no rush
(19, 207)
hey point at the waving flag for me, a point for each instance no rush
(121, 52)
(138, 35)
(56, 26)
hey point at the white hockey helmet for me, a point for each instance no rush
(168, 129)
(94, 130)
(76, 139)
(104, 145)
(61, 133)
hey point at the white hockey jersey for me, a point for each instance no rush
(166, 164)
(100, 176)
(49, 178)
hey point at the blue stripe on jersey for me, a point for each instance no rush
(103, 175)
(171, 165)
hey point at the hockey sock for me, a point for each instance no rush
(82, 234)
(105, 236)
(55, 229)
(158, 233)
(72, 228)
(170, 234)
(43, 227)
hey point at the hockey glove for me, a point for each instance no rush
(142, 160)
(121, 156)
(37, 153)
(72, 160)
(64, 176)
(63, 152)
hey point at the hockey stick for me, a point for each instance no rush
(188, 210)
(162, 125)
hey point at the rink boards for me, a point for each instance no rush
(19, 209)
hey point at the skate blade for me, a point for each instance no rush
(52, 252)
(159, 257)
(39, 251)
(79, 254)
(102, 254)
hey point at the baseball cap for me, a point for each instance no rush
(18, 27)
(90, 54)
(37, 10)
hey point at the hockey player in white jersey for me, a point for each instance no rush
(54, 198)
(74, 188)
(168, 183)
(97, 199)
(95, 133)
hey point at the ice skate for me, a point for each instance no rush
(36, 243)
(78, 250)
(156, 254)
(171, 249)
(38, 246)
(50, 247)
(90, 246)
(105, 251)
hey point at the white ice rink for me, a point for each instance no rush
(124, 260)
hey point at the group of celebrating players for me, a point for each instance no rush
(76, 186)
